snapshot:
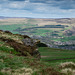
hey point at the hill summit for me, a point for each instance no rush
(23, 44)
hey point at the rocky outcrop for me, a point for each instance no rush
(33, 45)
(26, 48)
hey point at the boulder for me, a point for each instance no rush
(32, 44)
(28, 48)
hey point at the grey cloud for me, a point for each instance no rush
(62, 4)
(16, 0)
(66, 5)
(34, 4)
(39, 1)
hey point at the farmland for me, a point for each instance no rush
(56, 56)
(46, 30)
(46, 24)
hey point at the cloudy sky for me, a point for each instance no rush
(38, 8)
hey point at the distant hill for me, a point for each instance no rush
(1, 17)
(39, 21)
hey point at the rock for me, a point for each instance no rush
(8, 32)
(27, 48)
(28, 42)
(32, 43)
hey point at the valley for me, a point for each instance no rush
(54, 53)
(53, 32)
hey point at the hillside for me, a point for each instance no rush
(40, 22)
(17, 58)
(21, 58)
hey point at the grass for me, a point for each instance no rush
(64, 39)
(56, 39)
(68, 38)
(8, 50)
(11, 62)
(51, 55)
(15, 26)
(1, 42)
(18, 38)
(15, 65)
(41, 32)
(10, 27)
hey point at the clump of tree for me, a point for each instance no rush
(41, 45)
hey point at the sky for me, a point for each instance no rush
(38, 8)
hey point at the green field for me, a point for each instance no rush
(41, 32)
(15, 26)
(56, 56)
(9, 27)
(53, 32)
(68, 38)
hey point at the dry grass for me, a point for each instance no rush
(67, 65)
(68, 71)
(16, 37)
(21, 71)
(50, 71)
(40, 22)
(68, 68)
(11, 21)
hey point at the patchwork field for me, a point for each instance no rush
(56, 56)
(54, 29)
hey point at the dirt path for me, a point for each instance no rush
(44, 56)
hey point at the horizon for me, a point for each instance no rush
(38, 9)
(33, 18)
